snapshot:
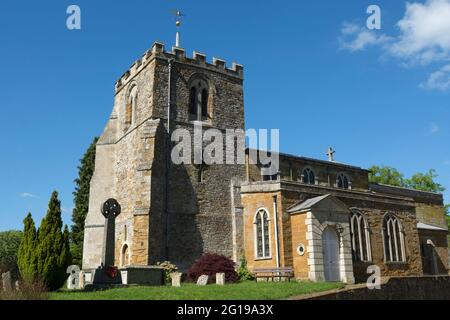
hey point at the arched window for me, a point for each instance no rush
(343, 181)
(308, 176)
(204, 104)
(130, 108)
(198, 100)
(193, 101)
(394, 241)
(262, 237)
(359, 228)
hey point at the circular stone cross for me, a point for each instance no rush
(111, 208)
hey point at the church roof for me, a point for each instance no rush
(425, 226)
(326, 200)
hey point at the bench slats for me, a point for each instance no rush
(273, 273)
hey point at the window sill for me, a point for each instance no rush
(396, 263)
(263, 259)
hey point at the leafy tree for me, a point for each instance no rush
(386, 175)
(81, 201)
(425, 182)
(27, 258)
(52, 251)
(9, 247)
(419, 181)
(447, 209)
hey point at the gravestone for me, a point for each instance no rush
(73, 282)
(81, 280)
(202, 280)
(176, 279)
(7, 281)
(220, 279)
(110, 210)
(107, 274)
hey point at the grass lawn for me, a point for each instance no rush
(241, 291)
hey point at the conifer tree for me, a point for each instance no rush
(26, 257)
(81, 201)
(52, 258)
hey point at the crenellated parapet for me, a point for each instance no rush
(179, 55)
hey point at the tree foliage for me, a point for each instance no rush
(386, 175)
(425, 182)
(9, 248)
(81, 201)
(44, 255)
(27, 258)
(419, 181)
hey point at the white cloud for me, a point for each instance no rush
(423, 38)
(424, 32)
(29, 195)
(434, 128)
(438, 80)
(355, 38)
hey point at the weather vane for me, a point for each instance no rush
(178, 14)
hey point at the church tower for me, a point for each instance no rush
(169, 212)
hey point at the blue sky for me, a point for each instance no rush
(312, 70)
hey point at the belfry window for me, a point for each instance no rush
(204, 103)
(130, 107)
(198, 100)
(360, 235)
(262, 237)
(394, 240)
(308, 176)
(193, 101)
(343, 182)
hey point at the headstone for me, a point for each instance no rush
(176, 279)
(7, 281)
(220, 279)
(202, 280)
(110, 210)
(81, 280)
(73, 282)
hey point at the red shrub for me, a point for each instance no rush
(210, 264)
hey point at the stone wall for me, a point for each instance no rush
(199, 217)
(435, 255)
(325, 172)
(374, 207)
(399, 288)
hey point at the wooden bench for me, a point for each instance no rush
(272, 273)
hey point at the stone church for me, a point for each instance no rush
(322, 218)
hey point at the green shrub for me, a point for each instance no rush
(243, 273)
(9, 247)
(169, 268)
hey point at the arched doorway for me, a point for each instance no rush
(125, 258)
(330, 245)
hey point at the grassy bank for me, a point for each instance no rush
(241, 291)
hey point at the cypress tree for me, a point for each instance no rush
(66, 257)
(27, 257)
(81, 201)
(52, 258)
